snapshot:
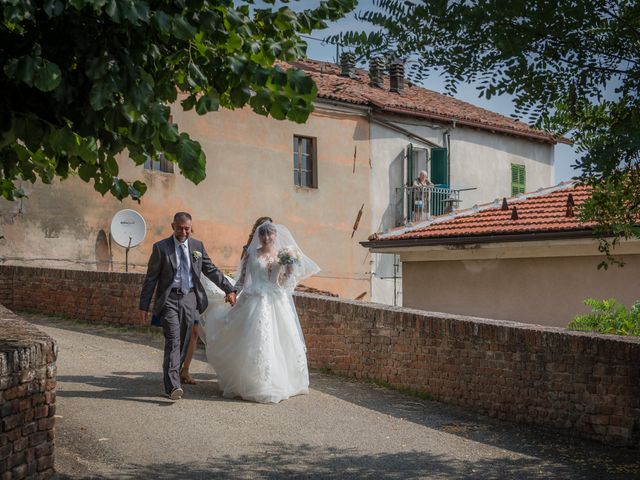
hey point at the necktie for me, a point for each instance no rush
(184, 270)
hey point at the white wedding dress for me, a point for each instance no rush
(256, 347)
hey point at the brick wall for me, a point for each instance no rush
(27, 399)
(100, 297)
(583, 384)
(580, 383)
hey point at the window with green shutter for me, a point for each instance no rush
(518, 180)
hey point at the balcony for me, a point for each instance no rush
(419, 204)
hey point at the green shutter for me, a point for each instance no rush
(518, 179)
(439, 167)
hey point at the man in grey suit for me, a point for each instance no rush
(174, 274)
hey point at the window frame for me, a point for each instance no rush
(298, 170)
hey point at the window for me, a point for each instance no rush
(518, 181)
(160, 165)
(305, 163)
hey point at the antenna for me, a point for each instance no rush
(128, 230)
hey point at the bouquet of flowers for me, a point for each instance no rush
(288, 256)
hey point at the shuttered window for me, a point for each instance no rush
(160, 165)
(305, 162)
(518, 180)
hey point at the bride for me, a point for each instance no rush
(257, 347)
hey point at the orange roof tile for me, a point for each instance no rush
(542, 211)
(413, 101)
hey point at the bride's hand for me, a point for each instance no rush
(230, 298)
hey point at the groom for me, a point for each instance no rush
(174, 273)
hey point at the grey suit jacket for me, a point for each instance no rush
(161, 271)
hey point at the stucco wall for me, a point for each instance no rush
(249, 174)
(478, 159)
(545, 291)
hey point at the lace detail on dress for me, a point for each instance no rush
(263, 356)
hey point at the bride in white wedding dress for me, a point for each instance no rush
(256, 347)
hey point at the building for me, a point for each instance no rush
(332, 180)
(526, 259)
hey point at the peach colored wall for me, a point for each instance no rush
(249, 174)
(544, 291)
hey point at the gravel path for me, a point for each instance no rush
(113, 422)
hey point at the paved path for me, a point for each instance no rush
(112, 423)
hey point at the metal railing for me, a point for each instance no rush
(417, 204)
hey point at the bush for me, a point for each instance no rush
(609, 316)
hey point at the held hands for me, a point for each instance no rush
(230, 298)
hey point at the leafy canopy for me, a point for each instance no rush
(82, 80)
(572, 67)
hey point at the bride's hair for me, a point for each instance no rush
(267, 227)
(258, 222)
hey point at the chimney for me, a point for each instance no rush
(396, 76)
(348, 64)
(376, 72)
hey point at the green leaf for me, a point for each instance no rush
(208, 103)
(87, 171)
(189, 102)
(99, 96)
(137, 190)
(26, 69)
(182, 29)
(47, 77)
(53, 8)
(162, 21)
(190, 159)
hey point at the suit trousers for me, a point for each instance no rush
(177, 318)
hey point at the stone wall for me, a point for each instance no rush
(582, 384)
(27, 399)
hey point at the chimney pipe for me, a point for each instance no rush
(396, 76)
(347, 64)
(376, 72)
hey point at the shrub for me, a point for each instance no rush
(609, 316)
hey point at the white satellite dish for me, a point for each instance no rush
(128, 229)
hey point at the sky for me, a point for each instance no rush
(317, 50)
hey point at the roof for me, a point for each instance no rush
(547, 211)
(414, 101)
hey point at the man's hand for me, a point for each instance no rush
(143, 316)
(230, 298)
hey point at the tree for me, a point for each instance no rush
(572, 68)
(83, 80)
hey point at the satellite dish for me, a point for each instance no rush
(128, 228)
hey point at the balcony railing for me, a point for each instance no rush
(418, 204)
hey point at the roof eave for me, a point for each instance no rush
(475, 239)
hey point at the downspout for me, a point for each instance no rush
(446, 142)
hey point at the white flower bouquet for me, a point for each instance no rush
(288, 256)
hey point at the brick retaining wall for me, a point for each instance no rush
(582, 384)
(27, 399)
(99, 297)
